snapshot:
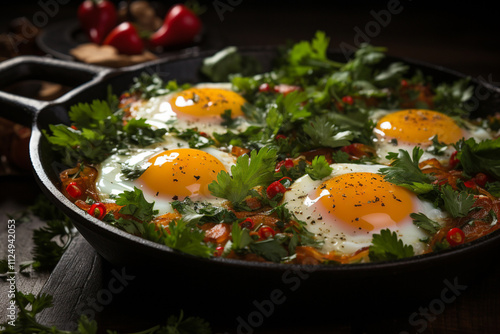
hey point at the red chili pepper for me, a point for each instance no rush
(97, 18)
(455, 236)
(125, 39)
(288, 163)
(73, 189)
(453, 162)
(348, 100)
(470, 184)
(280, 136)
(264, 88)
(481, 179)
(358, 150)
(266, 232)
(286, 89)
(275, 188)
(404, 83)
(180, 26)
(218, 251)
(247, 223)
(286, 181)
(97, 210)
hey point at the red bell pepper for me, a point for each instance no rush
(97, 18)
(180, 26)
(125, 39)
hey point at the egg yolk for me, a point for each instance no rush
(418, 126)
(207, 102)
(181, 172)
(364, 201)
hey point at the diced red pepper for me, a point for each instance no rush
(218, 251)
(358, 150)
(280, 136)
(274, 189)
(453, 162)
(247, 223)
(286, 89)
(264, 88)
(481, 179)
(73, 189)
(470, 184)
(348, 100)
(266, 232)
(288, 163)
(455, 236)
(97, 210)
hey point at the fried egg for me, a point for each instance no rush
(345, 209)
(173, 171)
(406, 129)
(199, 107)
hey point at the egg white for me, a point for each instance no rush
(385, 146)
(112, 182)
(337, 238)
(158, 112)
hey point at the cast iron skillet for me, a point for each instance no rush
(366, 284)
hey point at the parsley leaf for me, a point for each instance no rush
(150, 85)
(136, 205)
(425, 223)
(458, 204)
(386, 246)
(228, 62)
(405, 172)
(450, 98)
(270, 249)
(319, 168)
(240, 238)
(437, 148)
(194, 138)
(480, 157)
(307, 57)
(201, 212)
(142, 134)
(133, 172)
(30, 306)
(248, 172)
(186, 238)
(322, 132)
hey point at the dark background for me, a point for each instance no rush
(463, 36)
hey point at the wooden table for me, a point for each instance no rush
(84, 283)
(461, 39)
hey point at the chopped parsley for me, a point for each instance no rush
(319, 168)
(386, 247)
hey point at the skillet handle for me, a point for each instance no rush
(23, 110)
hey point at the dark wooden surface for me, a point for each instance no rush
(460, 37)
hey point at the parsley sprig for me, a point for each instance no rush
(386, 246)
(250, 171)
(97, 131)
(30, 306)
(181, 234)
(404, 171)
